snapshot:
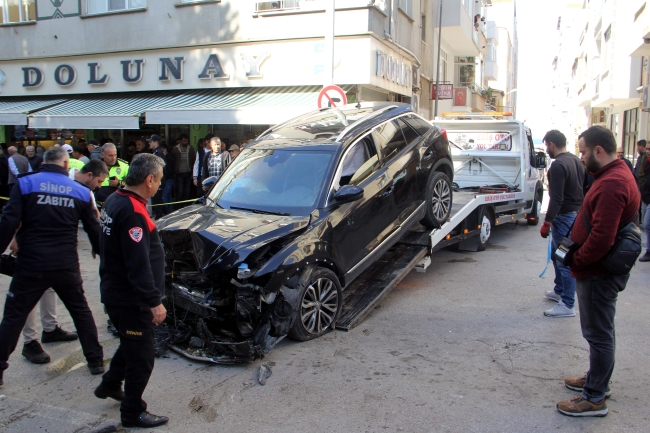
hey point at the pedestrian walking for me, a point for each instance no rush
(184, 157)
(117, 171)
(639, 174)
(566, 178)
(132, 272)
(645, 203)
(610, 204)
(18, 165)
(48, 196)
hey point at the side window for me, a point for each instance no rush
(390, 139)
(409, 133)
(420, 125)
(358, 163)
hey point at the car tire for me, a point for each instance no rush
(487, 224)
(319, 306)
(533, 216)
(438, 200)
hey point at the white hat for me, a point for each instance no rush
(67, 148)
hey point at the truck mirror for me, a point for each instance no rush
(541, 160)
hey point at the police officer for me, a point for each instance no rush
(49, 196)
(117, 171)
(72, 163)
(132, 272)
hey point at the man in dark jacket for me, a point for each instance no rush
(49, 196)
(35, 161)
(566, 178)
(132, 272)
(18, 165)
(645, 202)
(157, 199)
(216, 159)
(184, 157)
(611, 203)
(168, 174)
(639, 172)
(197, 172)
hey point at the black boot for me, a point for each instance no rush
(145, 419)
(103, 391)
(59, 334)
(35, 353)
(96, 367)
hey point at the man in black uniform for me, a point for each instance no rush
(46, 208)
(132, 272)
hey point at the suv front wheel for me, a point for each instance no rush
(439, 197)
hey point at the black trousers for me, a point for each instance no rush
(134, 358)
(597, 297)
(158, 211)
(182, 185)
(25, 291)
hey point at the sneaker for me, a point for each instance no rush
(35, 353)
(577, 383)
(96, 367)
(560, 310)
(645, 257)
(550, 294)
(578, 406)
(59, 334)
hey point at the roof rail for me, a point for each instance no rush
(364, 118)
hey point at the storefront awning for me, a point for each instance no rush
(248, 106)
(105, 111)
(14, 111)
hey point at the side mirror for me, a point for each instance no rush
(208, 183)
(540, 160)
(348, 194)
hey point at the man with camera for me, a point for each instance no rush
(565, 182)
(609, 207)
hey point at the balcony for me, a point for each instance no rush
(458, 29)
(491, 71)
(640, 32)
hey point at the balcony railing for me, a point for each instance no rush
(289, 5)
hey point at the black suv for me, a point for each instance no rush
(297, 216)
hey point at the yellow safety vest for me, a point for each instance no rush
(75, 163)
(119, 171)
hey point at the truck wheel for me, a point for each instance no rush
(438, 199)
(320, 305)
(533, 216)
(486, 231)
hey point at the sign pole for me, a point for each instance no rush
(328, 76)
(435, 109)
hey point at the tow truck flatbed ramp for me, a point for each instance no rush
(413, 248)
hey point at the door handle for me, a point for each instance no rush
(388, 191)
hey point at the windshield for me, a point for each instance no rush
(274, 181)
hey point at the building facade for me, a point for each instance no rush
(123, 69)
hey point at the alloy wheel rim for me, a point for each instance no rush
(319, 305)
(441, 199)
(486, 229)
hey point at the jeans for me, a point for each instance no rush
(646, 226)
(597, 303)
(134, 358)
(565, 285)
(167, 195)
(27, 288)
(182, 184)
(48, 317)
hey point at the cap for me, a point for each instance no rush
(154, 137)
(93, 142)
(233, 147)
(67, 148)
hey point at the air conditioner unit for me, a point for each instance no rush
(645, 106)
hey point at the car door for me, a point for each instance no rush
(358, 227)
(400, 157)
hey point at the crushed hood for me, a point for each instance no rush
(220, 238)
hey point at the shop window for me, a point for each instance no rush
(17, 11)
(103, 6)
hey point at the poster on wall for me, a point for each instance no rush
(445, 91)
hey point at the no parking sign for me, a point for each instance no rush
(332, 96)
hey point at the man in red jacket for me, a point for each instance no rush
(611, 203)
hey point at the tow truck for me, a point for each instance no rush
(496, 181)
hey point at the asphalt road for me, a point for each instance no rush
(462, 347)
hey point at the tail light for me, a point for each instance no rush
(443, 132)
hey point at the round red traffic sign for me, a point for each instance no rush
(332, 96)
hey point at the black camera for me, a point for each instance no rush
(564, 252)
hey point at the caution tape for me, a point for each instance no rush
(549, 254)
(4, 198)
(173, 202)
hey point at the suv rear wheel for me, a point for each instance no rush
(439, 197)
